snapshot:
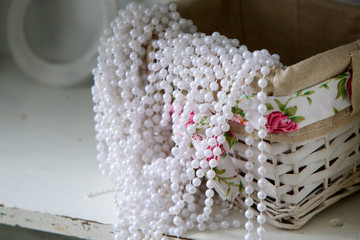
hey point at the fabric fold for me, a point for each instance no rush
(355, 83)
(313, 70)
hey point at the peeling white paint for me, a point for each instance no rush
(62, 225)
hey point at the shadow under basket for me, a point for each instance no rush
(304, 178)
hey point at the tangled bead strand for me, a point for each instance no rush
(156, 82)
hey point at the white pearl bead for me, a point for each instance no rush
(249, 153)
(216, 131)
(249, 201)
(262, 133)
(195, 164)
(225, 127)
(217, 151)
(261, 182)
(262, 171)
(236, 223)
(262, 146)
(249, 140)
(224, 224)
(262, 121)
(249, 226)
(262, 108)
(249, 177)
(196, 182)
(206, 215)
(249, 165)
(213, 163)
(265, 70)
(261, 95)
(249, 116)
(209, 193)
(209, 132)
(177, 220)
(204, 163)
(249, 128)
(261, 207)
(248, 236)
(261, 195)
(200, 173)
(248, 103)
(260, 231)
(261, 219)
(213, 226)
(214, 86)
(208, 153)
(209, 202)
(210, 183)
(262, 82)
(221, 139)
(211, 174)
(249, 213)
(201, 226)
(262, 158)
(249, 189)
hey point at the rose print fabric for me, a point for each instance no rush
(289, 113)
(278, 122)
(284, 114)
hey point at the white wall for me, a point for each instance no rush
(4, 6)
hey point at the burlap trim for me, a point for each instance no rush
(312, 131)
(355, 85)
(307, 73)
(313, 70)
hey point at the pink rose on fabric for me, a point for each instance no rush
(278, 122)
(239, 120)
(348, 85)
(223, 151)
(191, 121)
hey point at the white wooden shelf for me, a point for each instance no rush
(48, 164)
(48, 159)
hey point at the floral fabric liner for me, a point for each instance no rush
(289, 113)
(284, 114)
(227, 179)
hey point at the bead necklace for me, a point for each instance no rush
(155, 81)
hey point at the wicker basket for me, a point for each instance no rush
(305, 178)
(304, 174)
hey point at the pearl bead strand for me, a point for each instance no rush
(261, 207)
(156, 80)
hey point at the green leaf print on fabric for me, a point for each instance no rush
(269, 107)
(309, 100)
(230, 139)
(291, 111)
(324, 85)
(341, 87)
(202, 122)
(280, 105)
(308, 93)
(297, 119)
(229, 181)
(219, 171)
(238, 111)
(341, 76)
